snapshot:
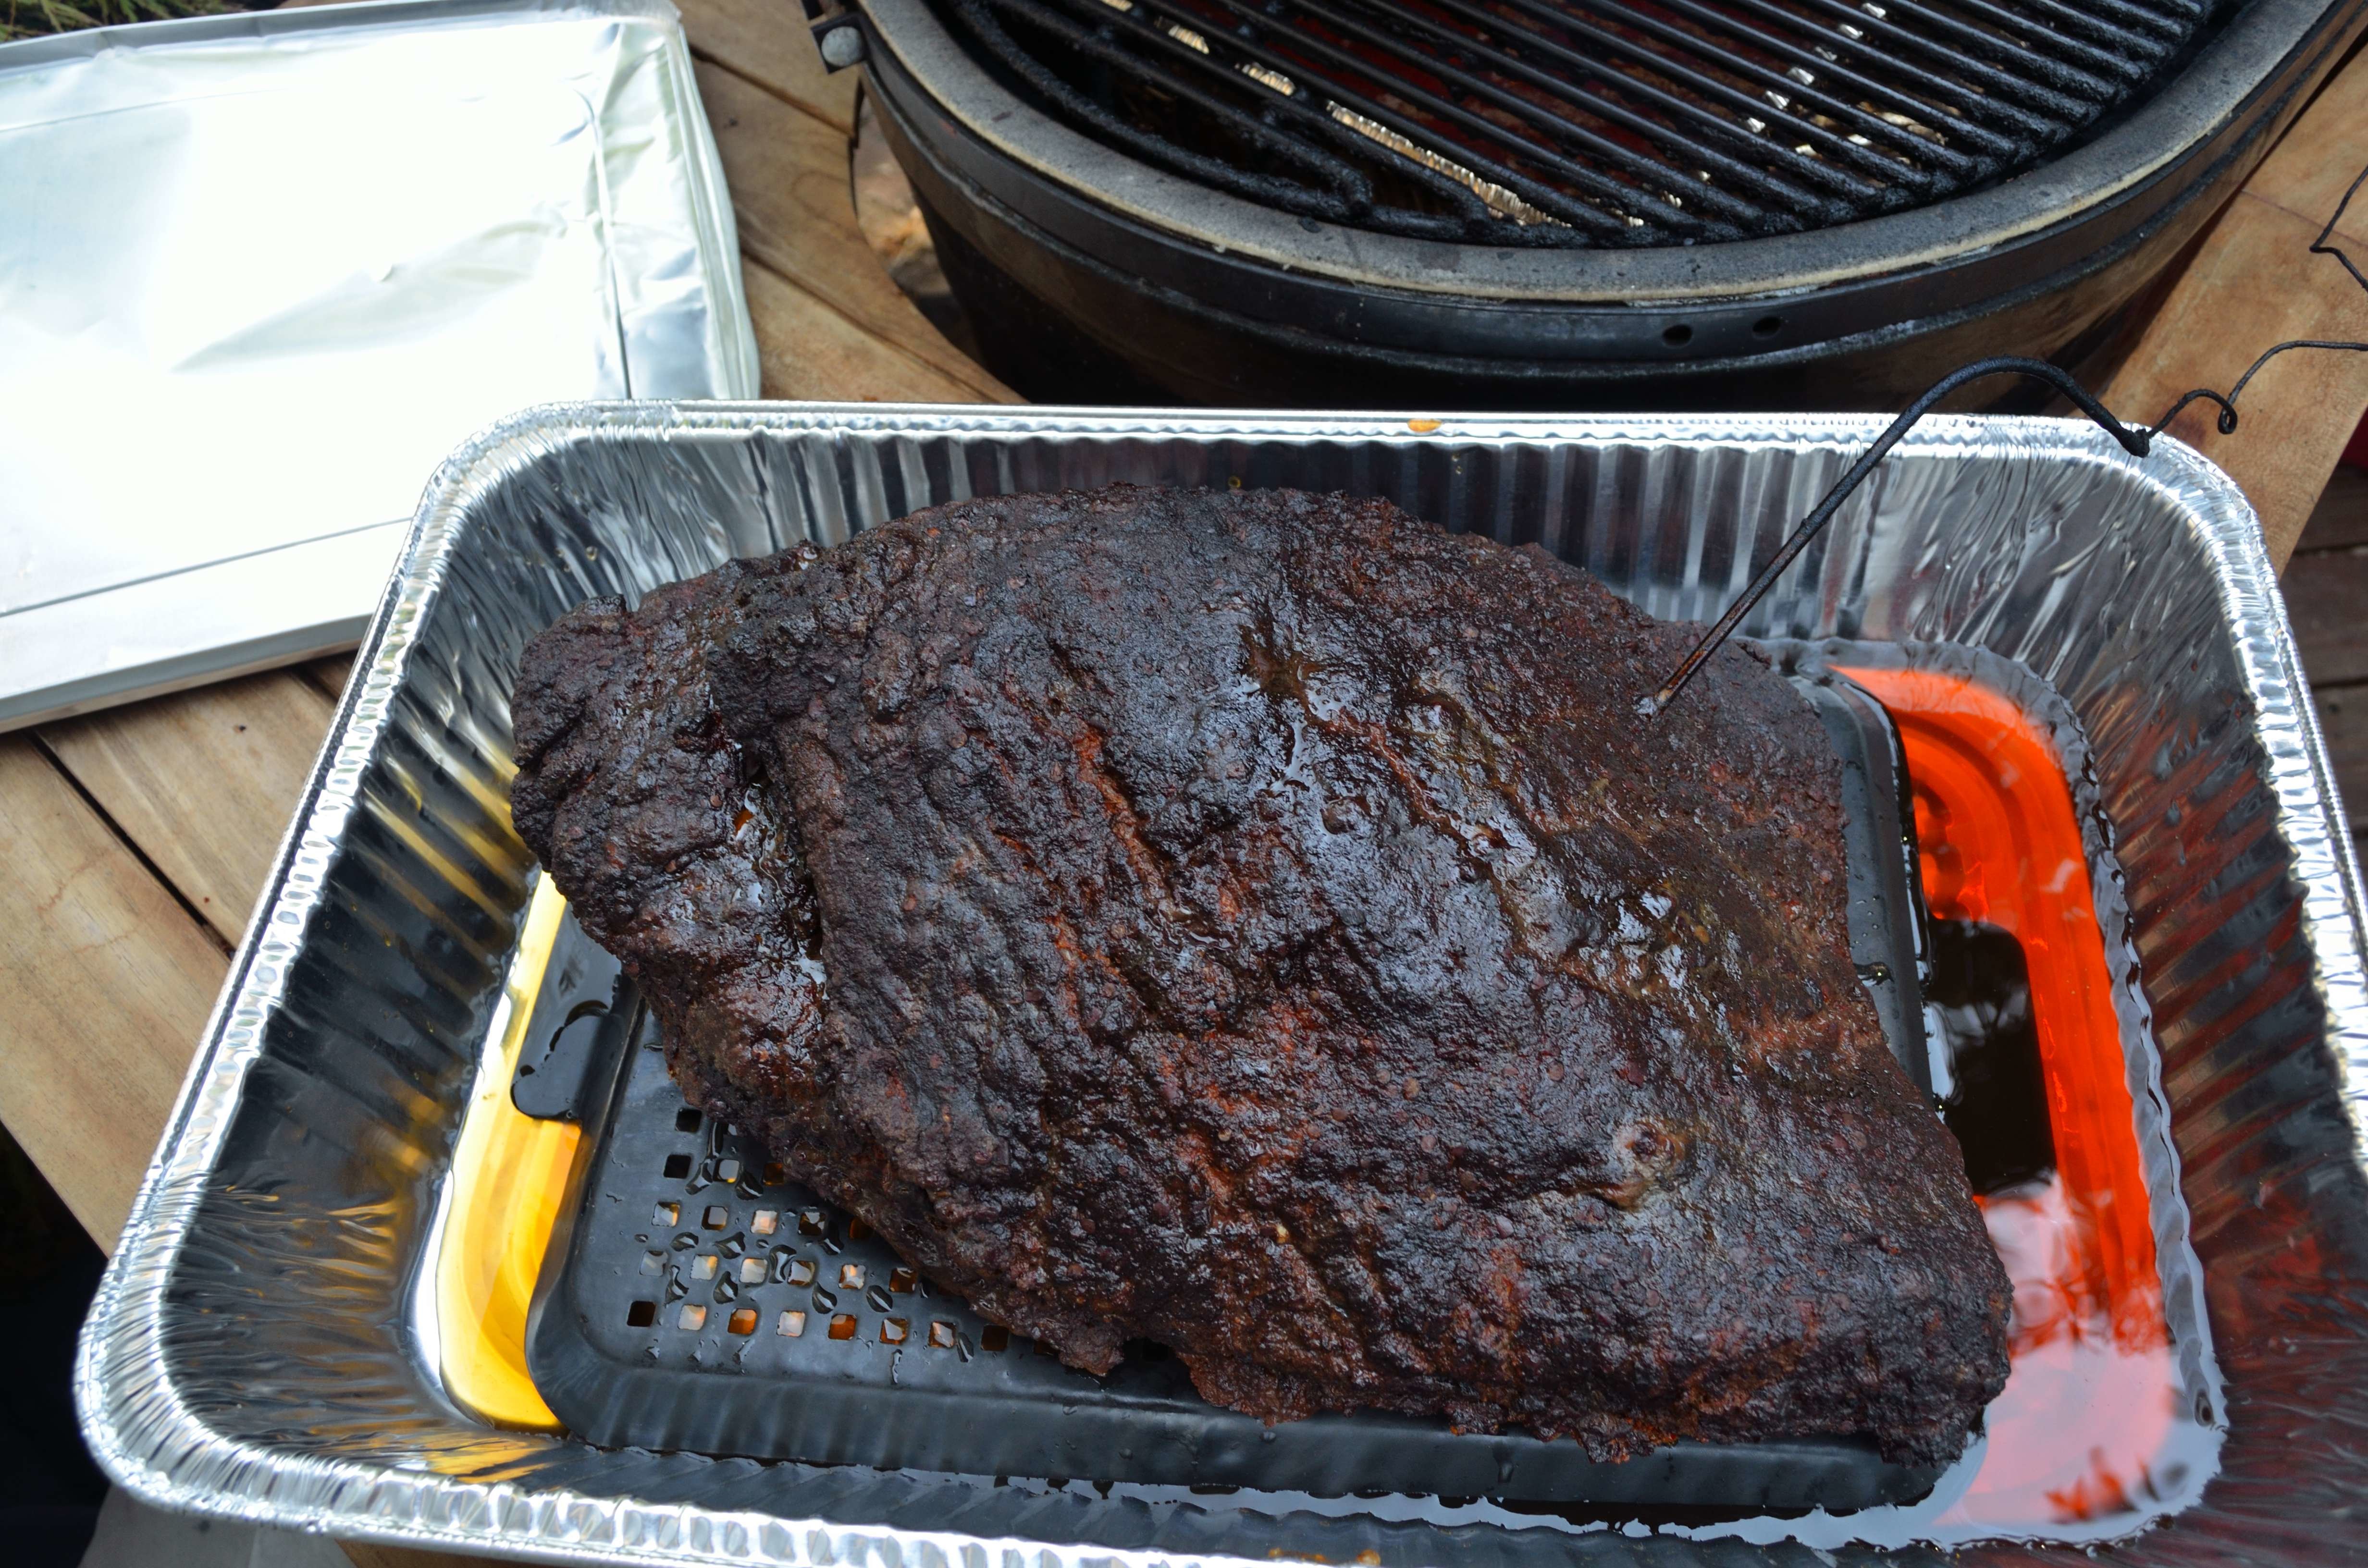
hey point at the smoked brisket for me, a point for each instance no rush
(1261, 923)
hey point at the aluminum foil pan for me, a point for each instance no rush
(303, 253)
(254, 1352)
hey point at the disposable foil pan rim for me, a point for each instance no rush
(149, 1440)
(349, 15)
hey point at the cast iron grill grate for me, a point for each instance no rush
(1581, 122)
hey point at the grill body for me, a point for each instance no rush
(1614, 243)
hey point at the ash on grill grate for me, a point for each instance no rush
(1580, 122)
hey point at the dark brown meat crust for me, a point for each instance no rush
(1259, 923)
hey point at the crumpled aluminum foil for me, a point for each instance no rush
(258, 273)
(254, 1351)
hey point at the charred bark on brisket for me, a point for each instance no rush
(1259, 923)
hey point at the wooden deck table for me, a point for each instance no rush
(133, 842)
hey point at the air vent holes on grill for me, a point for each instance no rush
(1580, 122)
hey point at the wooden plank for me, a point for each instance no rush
(202, 781)
(2254, 283)
(2327, 598)
(768, 42)
(2343, 716)
(330, 673)
(2340, 519)
(793, 199)
(370, 1554)
(105, 983)
(808, 350)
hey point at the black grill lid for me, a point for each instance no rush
(1580, 122)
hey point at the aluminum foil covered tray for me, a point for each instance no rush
(303, 252)
(259, 1348)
